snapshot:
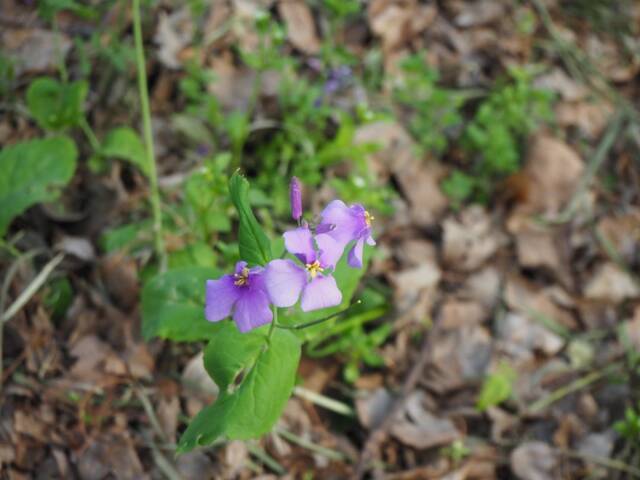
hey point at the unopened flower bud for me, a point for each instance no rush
(295, 195)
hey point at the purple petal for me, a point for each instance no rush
(321, 292)
(220, 296)
(370, 241)
(330, 250)
(284, 280)
(299, 242)
(355, 254)
(252, 309)
(347, 223)
(240, 266)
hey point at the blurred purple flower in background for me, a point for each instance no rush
(286, 281)
(338, 78)
(345, 224)
(242, 293)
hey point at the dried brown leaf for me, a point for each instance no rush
(301, 29)
(533, 461)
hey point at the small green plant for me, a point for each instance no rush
(254, 361)
(494, 139)
(457, 451)
(433, 111)
(497, 387)
(629, 427)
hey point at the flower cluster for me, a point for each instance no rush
(248, 293)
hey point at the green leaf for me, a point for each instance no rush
(33, 172)
(125, 144)
(497, 388)
(254, 407)
(56, 105)
(229, 352)
(254, 246)
(173, 305)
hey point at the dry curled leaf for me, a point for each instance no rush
(301, 29)
(533, 461)
(419, 428)
(470, 241)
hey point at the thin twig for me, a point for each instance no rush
(13, 269)
(599, 156)
(151, 414)
(605, 462)
(265, 458)
(574, 386)
(165, 466)
(378, 435)
(323, 401)
(324, 451)
(32, 288)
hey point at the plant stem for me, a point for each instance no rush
(300, 326)
(574, 386)
(274, 324)
(323, 401)
(148, 137)
(91, 136)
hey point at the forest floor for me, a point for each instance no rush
(497, 143)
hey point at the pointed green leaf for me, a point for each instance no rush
(253, 408)
(33, 172)
(254, 245)
(173, 305)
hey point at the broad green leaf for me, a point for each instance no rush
(56, 105)
(229, 352)
(125, 144)
(197, 254)
(253, 408)
(173, 305)
(254, 246)
(33, 172)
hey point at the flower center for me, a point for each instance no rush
(368, 218)
(314, 268)
(242, 278)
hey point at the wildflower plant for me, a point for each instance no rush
(252, 354)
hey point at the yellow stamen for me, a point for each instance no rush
(368, 218)
(314, 268)
(242, 278)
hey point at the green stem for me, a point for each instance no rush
(148, 137)
(64, 75)
(300, 326)
(274, 324)
(574, 386)
(91, 136)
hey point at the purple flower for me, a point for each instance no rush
(345, 224)
(286, 281)
(243, 293)
(295, 195)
